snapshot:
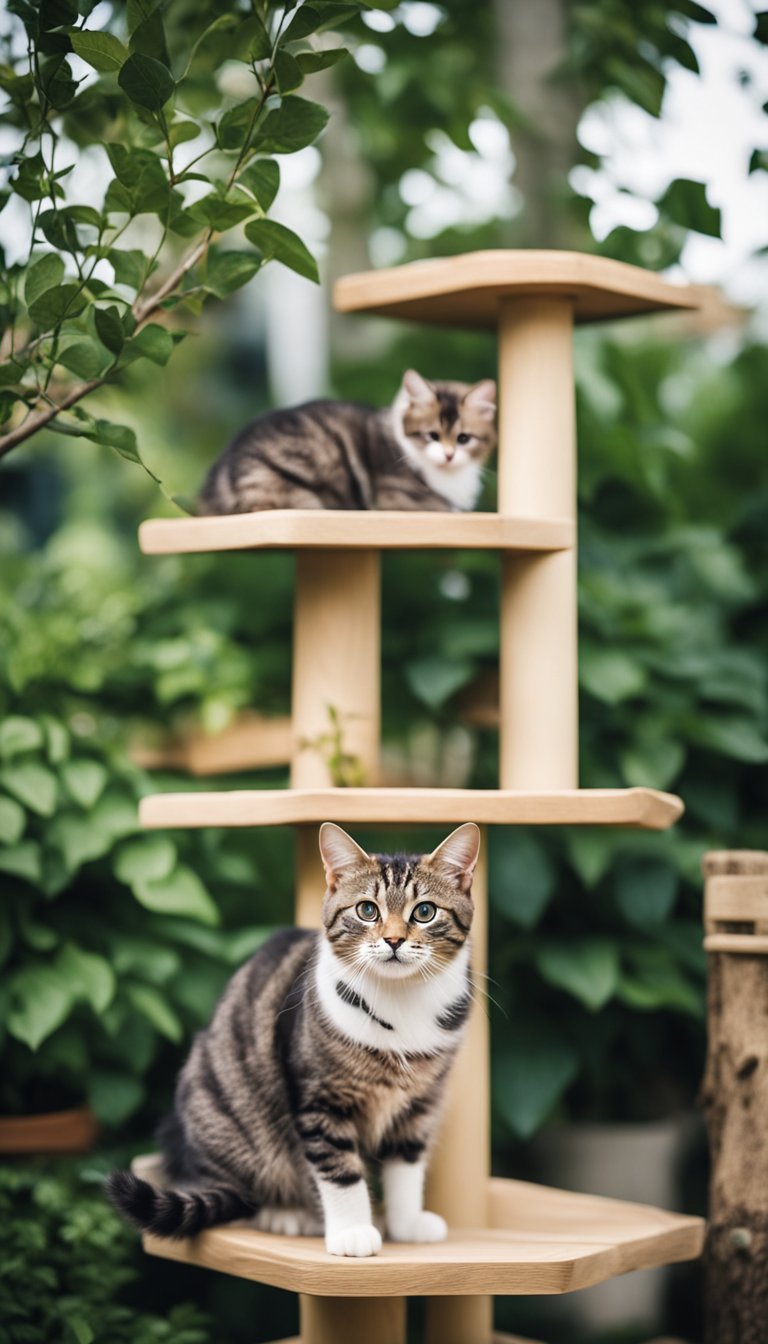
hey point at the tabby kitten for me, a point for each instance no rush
(327, 1050)
(426, 451)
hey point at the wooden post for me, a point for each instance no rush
(457, 1186)
(336, 669)
(537, 478)
(735, 1097)
(336, 666)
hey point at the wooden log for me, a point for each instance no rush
(735, 1101)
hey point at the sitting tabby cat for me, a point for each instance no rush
(426, 451)
(326, 1050)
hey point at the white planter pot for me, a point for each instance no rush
(637, 1162)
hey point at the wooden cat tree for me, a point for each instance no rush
(507, 1237)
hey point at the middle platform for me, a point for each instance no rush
(643, 808)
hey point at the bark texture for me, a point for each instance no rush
(735, 1101)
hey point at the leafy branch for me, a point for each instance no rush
(78, 311)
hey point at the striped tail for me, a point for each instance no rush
(172, 1213)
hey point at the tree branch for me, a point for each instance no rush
(36, 422)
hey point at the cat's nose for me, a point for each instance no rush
(449, 452)
(394, 943)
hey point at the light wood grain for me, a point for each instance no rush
(539, 728)
(318, 529)
(250, 742)
(464, 1141)
(644, 808)
(464, 291)
(748, 944)
(540, 1241)
(736, 898)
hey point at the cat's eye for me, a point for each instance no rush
(463, 438)
(433, 434)
(368, 911)
(424, 912)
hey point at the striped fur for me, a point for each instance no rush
(327, 1052)
(424, 452)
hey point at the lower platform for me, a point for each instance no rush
(539, 1240)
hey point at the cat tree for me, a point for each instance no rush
(507, 1237)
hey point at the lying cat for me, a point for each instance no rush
(326, 1050)
(426, 451)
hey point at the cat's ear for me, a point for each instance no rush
(482, 398)
(339, 852)
(417, 388)
(458, 855)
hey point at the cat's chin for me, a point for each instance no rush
(394, 970)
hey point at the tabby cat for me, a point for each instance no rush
(327, 1051)
(426, 451)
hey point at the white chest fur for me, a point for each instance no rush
(402, 1016)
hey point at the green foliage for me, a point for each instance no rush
(114, 943)
(69, 1268)
(84, 307)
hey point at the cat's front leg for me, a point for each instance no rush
(329, 1140)
(406, 1217)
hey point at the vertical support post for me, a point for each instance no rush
(336, 670)
(537, 478)
(735, 1097)
(457, 1186)
(336, 667)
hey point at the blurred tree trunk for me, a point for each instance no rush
(532, 45)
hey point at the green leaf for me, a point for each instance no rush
(293, 125)
(262, 179)
(156, 1009)
(590, 851)
(531, 1072)
(733, 737)
(183, 131)
(287, 71)
(114, 1097)
(311, 18)
(435, 680)
(22, 860)
(147, 858)
(78, 840)
(154, 342)
(32, 784)
(130, 266)
(11, 373)
(89, 976)
(148, 960)
(83, 358)
(40, 1003)
(227, 271)
(218, 213)
(52, 307)
(84, 780)
(44, 274)
(253, 42)
(101, 50)
(57, 738)
(109, 328)
(12, 821)
(609, 674)
(309, 62)
(645, 890)
(146, 81)
(653, 762)
(587, 968)
(180, 893)
(685, 202)
(523, 876)
(19, 734)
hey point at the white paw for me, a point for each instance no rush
(422, 1226)
(361, 1240)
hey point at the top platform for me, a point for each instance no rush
(464, 291)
